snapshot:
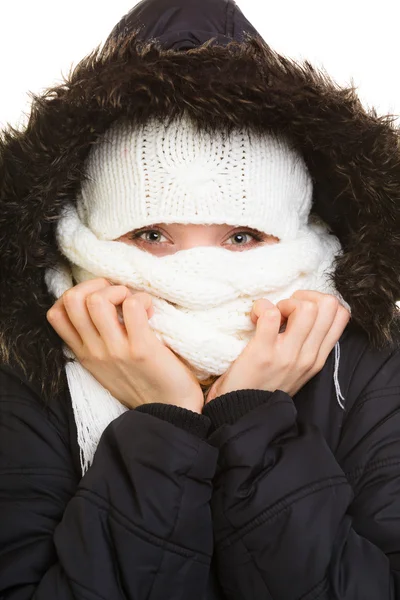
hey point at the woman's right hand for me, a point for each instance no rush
(128, 360)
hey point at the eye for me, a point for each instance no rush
(151, 236)
(243, 238)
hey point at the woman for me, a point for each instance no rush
(285, 483)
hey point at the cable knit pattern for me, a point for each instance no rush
(155, 173)
(202, 296)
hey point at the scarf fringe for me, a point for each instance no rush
(94, 409)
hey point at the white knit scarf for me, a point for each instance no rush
(202, 300)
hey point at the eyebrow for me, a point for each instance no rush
(234, 227)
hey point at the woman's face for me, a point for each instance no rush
(161, 239)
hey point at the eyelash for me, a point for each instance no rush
(256, 237)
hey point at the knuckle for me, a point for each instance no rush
(139, 357)
(132, 300)
(344, 313)
(98, 356)
(307, 361)
(330, 302)
(265, 360)
(103, 281)
(319, 365)
(309, 308)
(142, 295)
(310, 295)
(288, 361)
(138, 300)
(94, 299)
(141, 298)
(52, 314)
(93, 284)
(298, 294)
(271, 314)
(69, 296)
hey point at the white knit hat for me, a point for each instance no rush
(157, 173)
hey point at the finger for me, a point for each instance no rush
(74, 301)
(58, 318)
(328, 307)
(259, 307)
(301, 316)
(136, 310)
(267, 329)
(102, 307)
(338, 326)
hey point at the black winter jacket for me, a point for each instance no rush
(302, 498)
(263, 496)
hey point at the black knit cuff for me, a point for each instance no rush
(228, 408)
(180, 417)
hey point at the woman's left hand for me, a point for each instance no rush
(286, 361)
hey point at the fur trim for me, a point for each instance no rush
(353, 156)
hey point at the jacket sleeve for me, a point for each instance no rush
(294, 521)
(137, 525)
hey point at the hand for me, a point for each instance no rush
(128, 360)
(286, 361)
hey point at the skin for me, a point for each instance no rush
(161, 239)
(137, 368)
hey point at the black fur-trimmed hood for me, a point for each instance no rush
(353, 157)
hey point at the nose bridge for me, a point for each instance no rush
(197, 235)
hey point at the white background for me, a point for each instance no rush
(41, 39)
